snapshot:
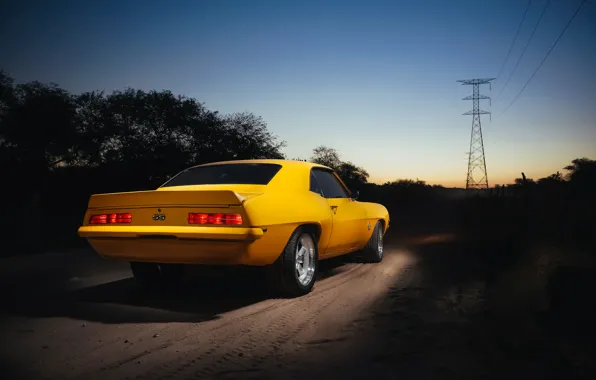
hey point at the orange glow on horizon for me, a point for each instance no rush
(461, 182)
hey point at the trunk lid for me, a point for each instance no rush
(179, 196)
(171, 206)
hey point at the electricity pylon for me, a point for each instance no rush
(476, 159)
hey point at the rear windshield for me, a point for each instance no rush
(236, 174)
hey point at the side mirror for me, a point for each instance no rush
(355, 194)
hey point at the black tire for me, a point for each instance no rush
(373, 252)
(156, 276)
(283, 275)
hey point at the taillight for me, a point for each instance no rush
(233, 219)
(111, 218)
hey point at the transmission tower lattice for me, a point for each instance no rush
(476, 159)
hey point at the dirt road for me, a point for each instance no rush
(75, 316)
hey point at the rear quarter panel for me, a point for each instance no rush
(286, 204)
(282, 213)
(375, 212)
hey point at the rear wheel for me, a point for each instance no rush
(157, 276)
(373, 251)
(294, 272)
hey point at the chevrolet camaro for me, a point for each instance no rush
(280, 214)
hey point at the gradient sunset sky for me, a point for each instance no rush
(375, 80)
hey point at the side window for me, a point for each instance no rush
(331, 187)
(315, 187)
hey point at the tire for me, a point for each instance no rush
(284, 276)
(374, 250)
(156, 276)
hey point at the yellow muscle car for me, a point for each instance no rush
(286, 215)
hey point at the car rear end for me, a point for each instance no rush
(198, 217)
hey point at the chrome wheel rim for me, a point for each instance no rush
(380, 244)
(305, 259)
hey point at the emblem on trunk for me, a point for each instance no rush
(159, 217)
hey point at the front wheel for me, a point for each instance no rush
(373, 251)
(294, 273)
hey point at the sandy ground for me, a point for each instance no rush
(420, 314)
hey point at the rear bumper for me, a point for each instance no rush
(186, 245)
(179, 232)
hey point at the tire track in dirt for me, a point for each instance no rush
(276, 334)
(93, 349)
(218, 333)
(256, 346)
(239, 345)
(176, 334)
(340, 330)
(241, 342)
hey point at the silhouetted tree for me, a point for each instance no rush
(553, 180)
(6, 102)
(582, 174)
(407, 183)
(38, 126)
(353, 176)
(247, 137)
(57, 148)
(6, 93)
(524, 181)
(323, 155)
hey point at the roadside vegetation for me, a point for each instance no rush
(533, 241)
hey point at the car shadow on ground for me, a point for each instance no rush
(204, 294)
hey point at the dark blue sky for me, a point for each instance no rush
(374, 79)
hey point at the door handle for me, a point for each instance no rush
(334, 209)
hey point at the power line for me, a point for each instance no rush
(545, 57)
(514, 39)
(525, 48)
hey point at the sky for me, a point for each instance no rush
(376, 80)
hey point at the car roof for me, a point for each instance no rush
(283, 163)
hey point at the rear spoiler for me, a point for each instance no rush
(165, 198)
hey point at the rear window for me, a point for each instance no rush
(232, 174)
